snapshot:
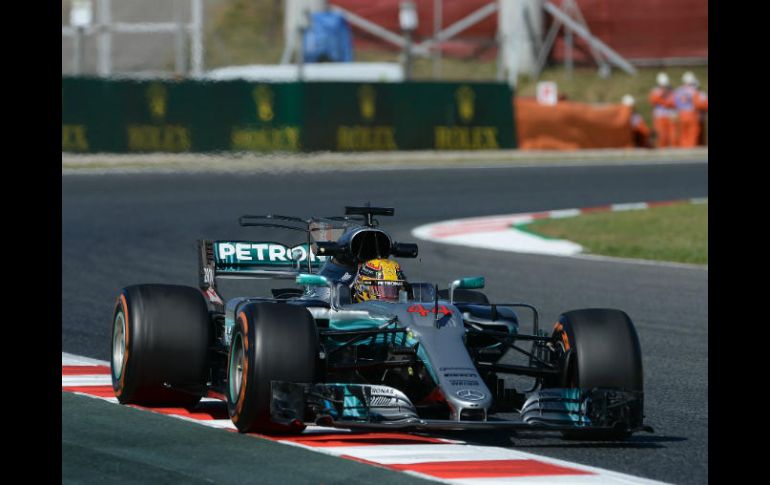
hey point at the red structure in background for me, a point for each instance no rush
(479, 39)
(639, 29)
(645, 29)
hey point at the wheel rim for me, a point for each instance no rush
(235, 373)
(118, 345)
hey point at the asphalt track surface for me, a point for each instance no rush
(119, 230)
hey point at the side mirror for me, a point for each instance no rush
(471, 283)
(312, 280)
(404, 250)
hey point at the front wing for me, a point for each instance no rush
(375, 407)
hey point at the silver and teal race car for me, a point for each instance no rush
(432, 359)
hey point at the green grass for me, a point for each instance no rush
(242, 32)
(676, 233)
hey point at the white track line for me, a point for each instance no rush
(403, 456)
(71, 359)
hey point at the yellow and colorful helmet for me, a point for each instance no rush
(378, 279)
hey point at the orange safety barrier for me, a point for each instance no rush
(570, 125)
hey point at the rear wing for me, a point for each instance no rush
(253, 259)
(273, 260)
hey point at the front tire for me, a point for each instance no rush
(270, 342)
(599, 348)
(160, 342)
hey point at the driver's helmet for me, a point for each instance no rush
(378, 279)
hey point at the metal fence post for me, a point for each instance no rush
(180, 37)
(78, 51)
(105, 38)
(197, 37)
(437, 21)
(568, 48)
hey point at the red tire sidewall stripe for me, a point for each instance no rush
(121, 382)
(245, 371)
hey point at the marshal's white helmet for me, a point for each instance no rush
(628, 100)
(662, 79)
(689, 78)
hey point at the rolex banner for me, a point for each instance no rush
(192, 116)
(409, 116)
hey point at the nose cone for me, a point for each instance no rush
(453, 369)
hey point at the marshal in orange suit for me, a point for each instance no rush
(691, 104)
(640, 132)
(664, 115)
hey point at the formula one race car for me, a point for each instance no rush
(410, 356)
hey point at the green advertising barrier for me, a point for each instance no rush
(122, 116)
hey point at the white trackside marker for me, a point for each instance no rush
(500, 232)
(86, 380)
(524, 242)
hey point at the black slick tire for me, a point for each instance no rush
(161, 339)
(601, 350)
(270, 342)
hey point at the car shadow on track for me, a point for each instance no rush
(551, 440)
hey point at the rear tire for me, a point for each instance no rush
(160, 344)
(601, 349)
(270, 342)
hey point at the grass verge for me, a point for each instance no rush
(676, 233)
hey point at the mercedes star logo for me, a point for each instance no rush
(470, 395)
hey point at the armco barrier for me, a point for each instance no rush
(122, 116)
